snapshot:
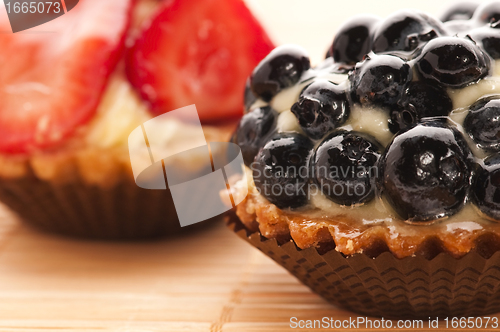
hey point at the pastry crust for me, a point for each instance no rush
(350, 235)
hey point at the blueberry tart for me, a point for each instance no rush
(374, 177)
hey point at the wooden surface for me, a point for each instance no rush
(208, 281)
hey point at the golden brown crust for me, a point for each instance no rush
(350, 236)
(94, 165)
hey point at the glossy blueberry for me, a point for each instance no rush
(380, 80)
(488, 39)
(453, 62)
(249, 96)
(405, 30)
(482, 123)
(280, 170)
(425, 172)
(322, 106)
(488, 12)
(458, 26)
(485, 191)
(462, 10)
(344, 167)
(353, 40)
(420, 100)
(280, 69)
(253, 131)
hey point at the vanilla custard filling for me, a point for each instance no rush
(374, 121)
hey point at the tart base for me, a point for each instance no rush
(123, 211)
(386, 286)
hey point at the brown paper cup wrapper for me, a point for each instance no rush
(123, 211)
(386, 286)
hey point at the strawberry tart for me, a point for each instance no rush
(73, 90)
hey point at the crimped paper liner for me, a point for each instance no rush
(123, 211)
(386, 286)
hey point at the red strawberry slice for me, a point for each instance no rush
(198, 52)
(52, 76)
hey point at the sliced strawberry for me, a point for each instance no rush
(52, 76)
(198, 52)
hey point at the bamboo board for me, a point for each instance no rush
(209, 281)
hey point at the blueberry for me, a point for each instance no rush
(488, 39)
(380, 80)
(488, 12)
(253, 131)
(462, 10)
(280, 69)
(482, 123)
(328, 53)
(353, 40)
(405, 30)
(322, 106)
(344, 167)
(420, 100)
(458, 26)
(425, 172)
(485, 191)
(453, 62)
(249, 96)
(280, 170)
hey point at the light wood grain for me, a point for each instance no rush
(208, 281)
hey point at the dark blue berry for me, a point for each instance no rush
(425, 172)
(344, 167)
(380, 80)
(253, 131)
(462, 10)
(457, 27)
(488, 39)
(488, 12)
(280, 171)
(405, 30)
(322, 106)
(453, 62)
(281, 69)
(419, 101)
(483, 123)
(485, 191)
(249, 96)
(353, 40)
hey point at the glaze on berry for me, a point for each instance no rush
(322, 106)
(486, 187)
(419, 101)
(354, 39)
(488, 13)
(380, 80)
(483, 123)
(425, 172)
(405, 30)
(488, 39)
(453, 62)
(281, 69)
(344, 167)
(253, 131)
(280, 170)
(462, 10)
